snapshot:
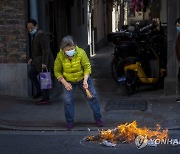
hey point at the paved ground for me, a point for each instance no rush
(23, 114)
(58, 142)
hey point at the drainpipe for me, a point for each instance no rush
(121, 20)
(33, 9)
(33, 14)
(89, 15)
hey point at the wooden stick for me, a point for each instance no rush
(88, 93)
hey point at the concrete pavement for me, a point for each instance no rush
(148, 106)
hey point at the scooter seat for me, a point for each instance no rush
(132, 60)
(127, 47)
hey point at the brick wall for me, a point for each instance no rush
(13, 34)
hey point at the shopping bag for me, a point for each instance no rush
(45, 80)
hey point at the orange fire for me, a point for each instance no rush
(127, 133)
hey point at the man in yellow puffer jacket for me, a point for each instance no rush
(72, 68)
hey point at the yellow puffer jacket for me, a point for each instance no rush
(72, 70)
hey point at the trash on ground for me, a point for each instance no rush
(108, 144)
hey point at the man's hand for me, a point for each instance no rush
(29, 61)
(44, 66)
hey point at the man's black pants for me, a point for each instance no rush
(32, 74)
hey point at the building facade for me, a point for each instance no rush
(13, 48)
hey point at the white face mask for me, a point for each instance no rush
(70, 53)
(178, 28)
(33, 31)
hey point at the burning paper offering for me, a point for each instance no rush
(127, 133)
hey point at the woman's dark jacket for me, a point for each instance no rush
(41, 52)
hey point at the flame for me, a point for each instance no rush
(127, 133)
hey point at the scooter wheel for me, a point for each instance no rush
(117, 69)
(130, 84)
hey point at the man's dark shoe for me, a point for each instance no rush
(178, 100)
(99, 123)
(43, 102)
(37, 95)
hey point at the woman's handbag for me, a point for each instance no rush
(45, 80)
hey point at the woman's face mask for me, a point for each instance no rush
(70, 53)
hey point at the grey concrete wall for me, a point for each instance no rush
(171, 83)
(99, 20)
(79, 30)
(101, 43)
(14, 80)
